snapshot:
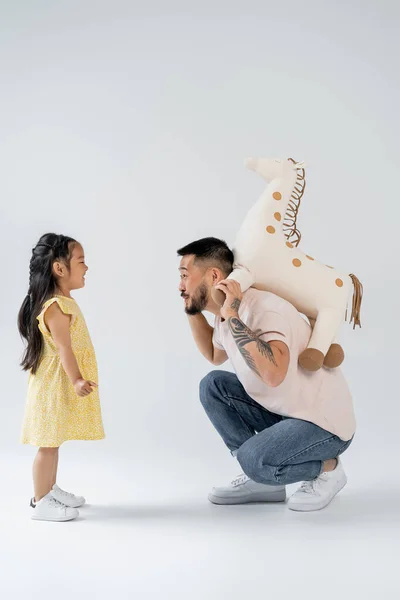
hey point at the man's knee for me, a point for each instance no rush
(249, 462)
(215, 386)
(210, 387)
(252, 465)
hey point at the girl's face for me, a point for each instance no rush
(74, 277)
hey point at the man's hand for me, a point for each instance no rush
(84, 387)
(234, 296)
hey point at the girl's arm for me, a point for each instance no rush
(58, 324)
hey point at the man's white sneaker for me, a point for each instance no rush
(243, 490)
(50, 509)
(67, 498)
(318, 493)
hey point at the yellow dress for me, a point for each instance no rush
(54, 413)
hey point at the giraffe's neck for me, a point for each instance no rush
(273, 203)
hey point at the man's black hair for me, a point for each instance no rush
(212, 250)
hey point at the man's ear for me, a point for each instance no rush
(216, 275)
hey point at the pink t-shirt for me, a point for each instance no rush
(321, 397)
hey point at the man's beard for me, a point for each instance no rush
(198, 301)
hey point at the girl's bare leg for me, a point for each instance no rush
(43, 471)
(55, 468)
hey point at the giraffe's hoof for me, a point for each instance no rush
(334, 356)
(311, 359)
(218, 296)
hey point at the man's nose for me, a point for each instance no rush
(181, 287)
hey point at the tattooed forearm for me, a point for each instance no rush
(249, 360)
(235, 304)
(243, 336)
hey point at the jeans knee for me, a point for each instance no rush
(248, 462)
(254, 468)
(208, 388)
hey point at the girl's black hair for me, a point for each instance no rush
(42, 286)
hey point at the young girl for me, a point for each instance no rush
(63, 400)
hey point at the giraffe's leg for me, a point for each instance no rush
(324, 331)
(243, 276)
(334, 357)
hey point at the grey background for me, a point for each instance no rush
(125, 125)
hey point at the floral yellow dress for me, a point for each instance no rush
(54, 413)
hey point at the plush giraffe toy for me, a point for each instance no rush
(267, 258)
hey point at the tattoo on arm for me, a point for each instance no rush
(249, 360)
(235, 304)
(243, 336)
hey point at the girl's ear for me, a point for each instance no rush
(58, 269)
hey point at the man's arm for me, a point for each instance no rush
(269, 360)
(203, 334)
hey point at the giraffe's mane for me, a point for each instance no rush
(289, 224)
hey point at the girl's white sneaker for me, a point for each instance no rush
(50, 509)
(66, 497)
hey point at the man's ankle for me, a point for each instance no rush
(330, 465)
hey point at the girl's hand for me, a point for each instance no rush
(234, 296)
(84, 387)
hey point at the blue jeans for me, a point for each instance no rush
(270, 448)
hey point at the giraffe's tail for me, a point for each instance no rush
(357, 299)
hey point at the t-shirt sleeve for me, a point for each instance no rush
(271, 326)
(216, 338)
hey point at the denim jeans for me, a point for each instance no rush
(270, 448)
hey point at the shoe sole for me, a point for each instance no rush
(250, 499)
(60, 520)
(314, 507)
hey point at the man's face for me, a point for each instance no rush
(194, 286)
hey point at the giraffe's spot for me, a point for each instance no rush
(289, 245)
(278, 216)
(296, 262)
(277, 196)
(309, 257)
(270, 229)
(339, 282)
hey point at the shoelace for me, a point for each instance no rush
(64, 493)
(51, 500)
(240, 479)
(307, 487)
(314, 486)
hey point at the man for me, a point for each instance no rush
(284, 425)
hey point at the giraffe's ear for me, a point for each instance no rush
(298, 165)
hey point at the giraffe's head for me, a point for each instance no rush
(271, 168)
